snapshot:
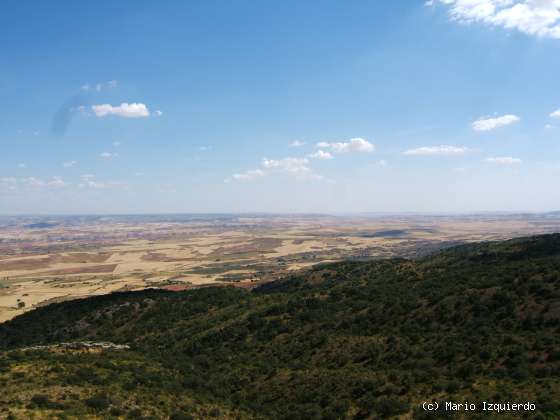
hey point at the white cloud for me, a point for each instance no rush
(248, 175)
(108, 155)
(443, 150)
(158, 113)
(89, 181)
(8, 183)
(540, 18)
(382, 162)
(22, 165)
(297, 167)
(204, 148)
(487, 124)
(100, 86)
(548, 126)
(33, 182)
(69, 164)
(504, 160)
(56, 182)
(320, 154)
(125, 110)
(555, 114)
(297, 143)
(357, 145)
(294, 166)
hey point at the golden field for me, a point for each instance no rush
(48, 259)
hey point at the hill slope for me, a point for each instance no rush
(349, 340)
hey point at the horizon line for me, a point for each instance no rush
(271, 213)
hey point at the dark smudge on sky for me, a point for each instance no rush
(63, 117)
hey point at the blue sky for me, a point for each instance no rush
(292, 106)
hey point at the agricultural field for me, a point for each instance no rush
(51, 259)
(346, 340)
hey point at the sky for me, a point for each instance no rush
(296, 106)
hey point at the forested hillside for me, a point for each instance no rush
(348, 340)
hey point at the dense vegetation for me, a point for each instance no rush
(347, 340)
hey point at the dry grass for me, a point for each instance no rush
(101, 258)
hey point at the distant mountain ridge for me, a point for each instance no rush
(477, 322)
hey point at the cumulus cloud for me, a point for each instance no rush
(33, 182)
(248, 175)
(297, 167)
(100, 86)
(487, 124)
(56, 182)
(89, 181)
(539, 18)
(555, 114)
(125, 110)
(108, 155)
(320, 154)
(504, 160)
(355, 145)
(443, 150)
(294, 166)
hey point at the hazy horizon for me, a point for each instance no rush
(272, 213)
